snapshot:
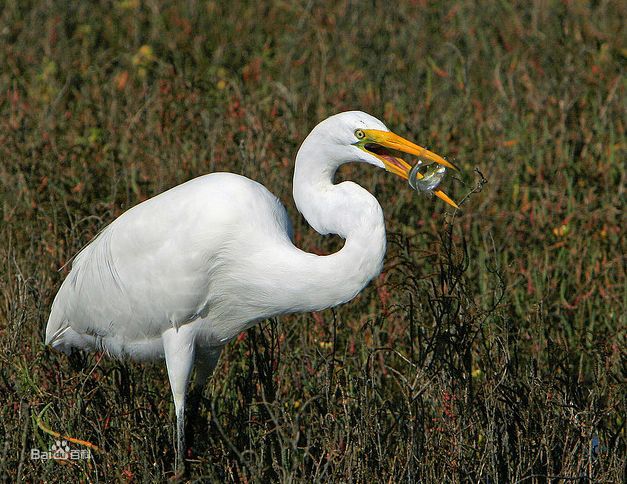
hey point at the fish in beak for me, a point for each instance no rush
(382, 144)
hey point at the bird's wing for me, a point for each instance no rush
(153, 267)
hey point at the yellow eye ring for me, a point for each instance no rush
(359, 134)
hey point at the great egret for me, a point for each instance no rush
(181, 274)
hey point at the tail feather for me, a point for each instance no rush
(58, 322)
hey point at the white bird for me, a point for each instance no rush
(181, 274)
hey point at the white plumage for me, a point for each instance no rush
(182, 273)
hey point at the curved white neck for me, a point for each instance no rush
(345, 209)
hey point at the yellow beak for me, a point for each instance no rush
(396, 165)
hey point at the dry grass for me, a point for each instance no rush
(491, 348)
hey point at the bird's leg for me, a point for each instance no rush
(205, 362)
(179, 348)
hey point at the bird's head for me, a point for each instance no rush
(357, 136)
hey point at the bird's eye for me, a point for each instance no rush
(360, 134)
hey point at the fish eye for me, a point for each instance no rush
(360, 134)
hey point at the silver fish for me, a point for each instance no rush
(429, 179)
